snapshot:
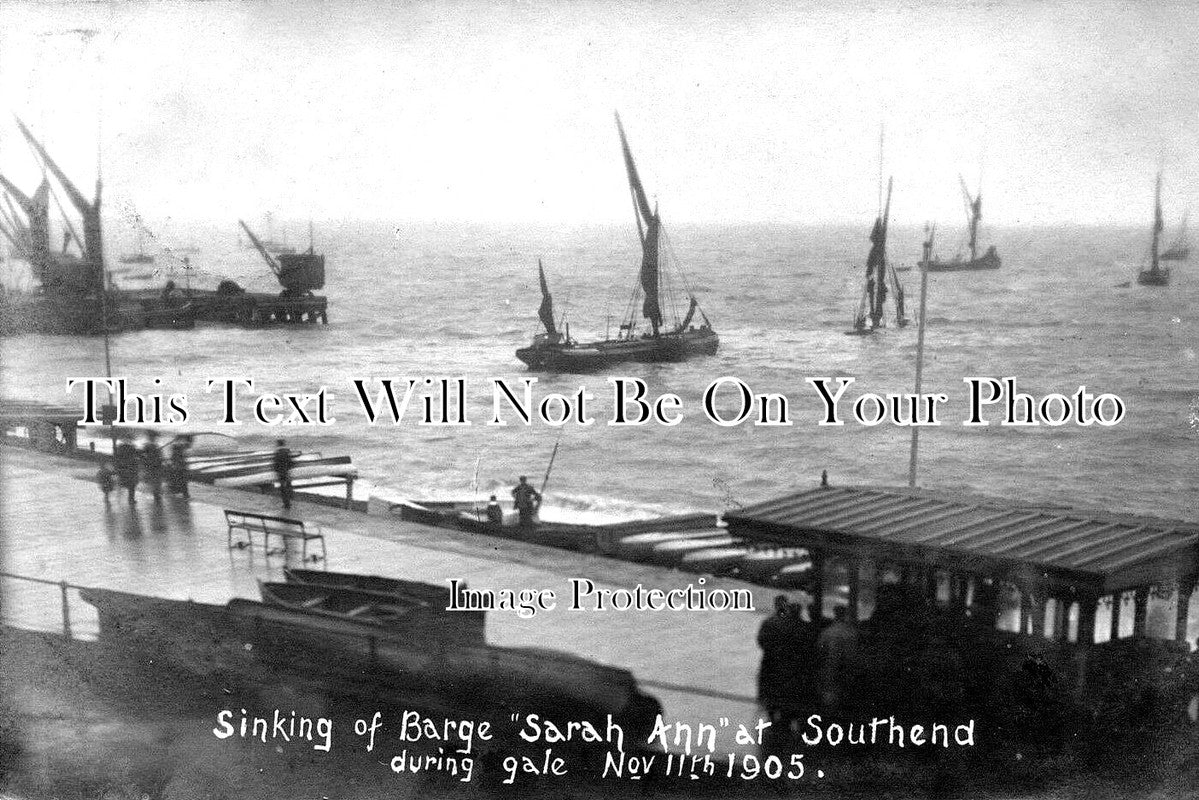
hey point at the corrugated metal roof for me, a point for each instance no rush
(1055, 538)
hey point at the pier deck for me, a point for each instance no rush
(701, 665)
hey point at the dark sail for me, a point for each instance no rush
(648, 226)
(546, 311)
(876, 264)
(1157, 221)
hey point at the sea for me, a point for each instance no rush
(430, 301)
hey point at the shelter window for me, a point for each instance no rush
(1073, 620)
(1103, 619)
(1009, 608)
(943, 586)
(836, 585)
(1128, 611)
(867, 590)
(1052, 626)
(1161, 612)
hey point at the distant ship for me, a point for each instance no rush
(974, 214)
(555, 351)
(1180, 248)
(869, 316)
(1156, 275)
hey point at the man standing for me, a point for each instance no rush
(495, 515)
(124, 461)
(837, 650)
(178, 473)
(283, 463)
(527, 500)
(152, 465)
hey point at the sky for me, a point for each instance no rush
(503, 112)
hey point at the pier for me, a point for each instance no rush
(700, 665)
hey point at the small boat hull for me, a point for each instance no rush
(988, 260)
(595, 356)
(1176, 254)
(1154, 277)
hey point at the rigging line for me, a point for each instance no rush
(682, 274)
(677, 263)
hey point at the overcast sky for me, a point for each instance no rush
(502, 112)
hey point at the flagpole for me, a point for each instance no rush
(928, 250)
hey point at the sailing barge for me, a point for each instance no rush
(878, 274)
(555, 351)
(974, 214)
(1156, 275)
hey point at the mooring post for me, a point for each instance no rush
(66, 609)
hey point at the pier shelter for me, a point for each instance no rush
(1052, 574)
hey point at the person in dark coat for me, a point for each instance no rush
(124, 461)
(107, 478)
(527, 500)
(177, 475)
(495, 514)
(788, 645)
(837, 652)
(283, 463)
(774, 638)
(152, 465)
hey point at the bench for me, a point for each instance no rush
(250, 522)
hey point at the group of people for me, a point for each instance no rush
(805, 666)
(526, 500)
(131, 466)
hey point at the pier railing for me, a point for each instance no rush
(48, 606)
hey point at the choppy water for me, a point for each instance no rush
(457, 301)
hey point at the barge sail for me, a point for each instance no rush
(879, 275)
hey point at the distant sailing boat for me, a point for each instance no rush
(557, 352)
(1180, 248)
(879, 274)
(1156, 275)
(974, 214)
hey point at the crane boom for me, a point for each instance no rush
(270, 261)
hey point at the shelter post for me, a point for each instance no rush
(1186, 587)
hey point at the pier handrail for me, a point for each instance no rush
(46, 581)
(63, 587)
